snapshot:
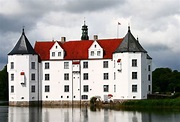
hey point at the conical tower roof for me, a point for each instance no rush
(130, 44)
(23, 46)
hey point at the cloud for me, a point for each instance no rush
(81, 6)
(155, 23)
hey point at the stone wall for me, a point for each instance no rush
(49, 103)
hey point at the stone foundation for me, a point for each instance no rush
(25, 103)
(65, 103)
(49, 103)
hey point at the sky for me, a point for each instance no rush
(156, 23)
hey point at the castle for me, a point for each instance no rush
(56, 72)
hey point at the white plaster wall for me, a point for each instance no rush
(57, 81)
(22, 63)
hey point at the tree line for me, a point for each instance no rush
(164, 80)
(4, 84)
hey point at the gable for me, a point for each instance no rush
(95, 51)
(56, 51)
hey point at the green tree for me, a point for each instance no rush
(4, 84)
(166, 80)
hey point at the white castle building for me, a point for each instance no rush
(55, 72)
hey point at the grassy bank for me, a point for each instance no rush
(152, 103)
(173, 103)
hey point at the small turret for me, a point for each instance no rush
(84, 32)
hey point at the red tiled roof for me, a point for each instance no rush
(77, 50)
(43, 48)
(109, 46)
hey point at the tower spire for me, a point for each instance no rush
(84, 32)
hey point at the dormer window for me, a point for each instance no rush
(59, 53)
(56, 47)
(98, 53)
(95, 46)
(92, 53)
(53, 54)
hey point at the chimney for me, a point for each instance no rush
(95, 37)
(63, 39)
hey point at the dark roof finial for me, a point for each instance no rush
(23, 29)
(129, 28)
(137, 39)
(84, 21)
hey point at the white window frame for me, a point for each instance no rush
(85, 76)
(47, 88)
(134, 62)
(66, 65)
(46, 65)
(66, 88)
(47, 77)
(105, 64)
(105, 88)
(33, 88)
(86, 88)
(66, 76)
(134, 88)
(106, 76)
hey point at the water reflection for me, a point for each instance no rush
(35, 114)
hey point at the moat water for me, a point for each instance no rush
(35, 114)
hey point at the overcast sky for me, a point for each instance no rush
(155, 22)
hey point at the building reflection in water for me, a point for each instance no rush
(35, 114)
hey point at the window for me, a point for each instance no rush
(114, 75)
(12, 77)
(134, 88)
(66, 88)
(149, 67)
(85, 76)
(47, 88)
(66, 76)
(98, 53)
(114, 88)
(59, 53)
(32, 65)
(33, 88)
(106, 88)
(47, 65)
(106, 76)
(149, 87)
(134, 75)
(85, 64)
(66, 65)
(134, 62)
(33, 76)
(53, 54)
(12, 89)
(149, 77)
(12, 65)
(86, 88)
(92, 53)
(46, 76)
(105, 64)
(84, 97)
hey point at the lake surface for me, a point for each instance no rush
(35, 114)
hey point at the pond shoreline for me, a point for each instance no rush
(148, 103)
